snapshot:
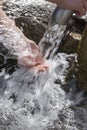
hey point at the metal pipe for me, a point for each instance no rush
(61, 16)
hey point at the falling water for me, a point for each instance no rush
(50, 42)
(44, 101)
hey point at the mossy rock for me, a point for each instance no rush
(82, 60)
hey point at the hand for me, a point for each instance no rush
(26, 50)
(38, 64)
(79, 6)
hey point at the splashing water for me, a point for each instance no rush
(37, 102)
(42, 102)
(35, 99)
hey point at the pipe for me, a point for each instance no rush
(61, 16)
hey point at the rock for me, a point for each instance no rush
(1, 59)
(69, 45)
(82, 60)
(11, 65)
(3, 49)
(73, 35)
(30, 28)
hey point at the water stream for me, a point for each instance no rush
(51, 40)
(43, 101)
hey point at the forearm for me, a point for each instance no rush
(79, 6)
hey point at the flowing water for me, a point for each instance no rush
(44, 101)
(51, 40)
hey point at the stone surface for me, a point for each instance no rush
(73, 35)
(69, 45)
(1, 59)
(82, 59)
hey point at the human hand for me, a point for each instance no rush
(34, 60)
(38, 64)
(79, 6)
(26, 50)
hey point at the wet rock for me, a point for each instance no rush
(69, 45)
(3, 86)
(1, 59)
(7, 60)
(77, 24)
(3, 49)
(82, 60)
(73, 35)
(11, 65)
(30, 28)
